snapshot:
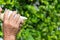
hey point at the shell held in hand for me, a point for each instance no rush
(2, 15)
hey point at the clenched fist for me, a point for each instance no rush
(11, 24)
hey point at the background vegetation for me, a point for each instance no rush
(43, 21)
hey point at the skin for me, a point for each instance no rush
(11, 25)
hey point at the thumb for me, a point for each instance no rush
(0, 9)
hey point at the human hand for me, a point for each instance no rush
(11, 24)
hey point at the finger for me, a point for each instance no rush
(12, 15)
(20, 21)
(6, 14)
(17, 18)
(10, 12)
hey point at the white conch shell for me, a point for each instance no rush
(2, 15)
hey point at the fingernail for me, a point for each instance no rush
(15, 16)
(10, 12)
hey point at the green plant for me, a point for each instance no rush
(43, 18)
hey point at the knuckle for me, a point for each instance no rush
(17, 26)
(5, 22)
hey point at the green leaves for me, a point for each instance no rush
(1, 33)
(42, 24)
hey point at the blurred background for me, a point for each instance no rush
(43, 21)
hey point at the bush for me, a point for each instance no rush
(43, 21)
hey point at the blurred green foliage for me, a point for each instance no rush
(43, 21)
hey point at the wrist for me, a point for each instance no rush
(9, 37)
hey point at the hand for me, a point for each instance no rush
(11, 24)
(0, 9)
